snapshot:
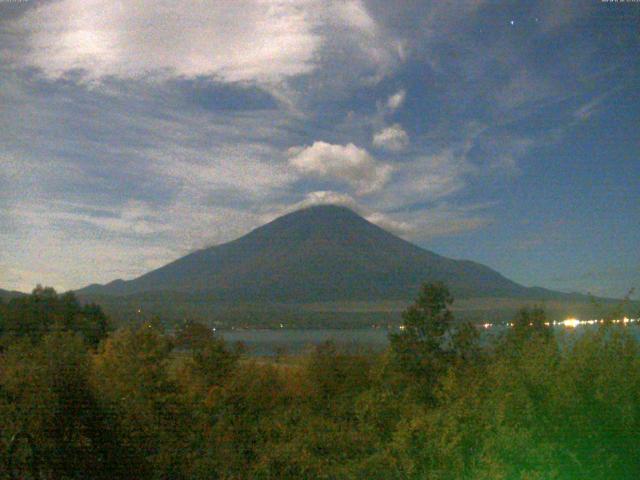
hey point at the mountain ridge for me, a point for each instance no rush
(7, 295)
(320, 253)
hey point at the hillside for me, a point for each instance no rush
(324, 253)
(6, 295)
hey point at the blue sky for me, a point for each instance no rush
(504, 132)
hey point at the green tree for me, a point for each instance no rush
(45, 391)
(33, 316)
(131, 376)
(529, 326)
(422, 347)
(193, 335)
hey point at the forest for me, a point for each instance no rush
(81, 399)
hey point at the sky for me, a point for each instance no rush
(132, 133)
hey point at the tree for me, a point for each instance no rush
(44, 311)
(131, 378)
(45, 393)
(422, 347)
(530, 324)
(193, 335)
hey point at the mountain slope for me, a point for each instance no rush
(7, 295)
(320, 253)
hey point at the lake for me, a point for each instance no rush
(263, 342)
(290, 341)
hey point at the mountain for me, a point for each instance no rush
(318, 254)
(7, 295)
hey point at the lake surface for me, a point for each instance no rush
(290, 341)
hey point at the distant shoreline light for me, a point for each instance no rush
(571, 322)
(574, 322)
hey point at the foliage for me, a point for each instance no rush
(438, 404)
(428, 343)
(133, 383)
(529, 323)
(44, 391)
(421, 344)
(44, 311)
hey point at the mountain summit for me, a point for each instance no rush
(322, 253)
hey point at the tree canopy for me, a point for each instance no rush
(437, 404)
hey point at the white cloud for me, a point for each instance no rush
(392, 138)
(396, 100)
(258, 41)
(53, 246)
(240, 41)
(326, 197)
(347, 163)
(329, 197)
(354, 14)
(363, 42)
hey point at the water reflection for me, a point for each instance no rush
(296, 341)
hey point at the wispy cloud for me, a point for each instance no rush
(445, 218)
(586, 110)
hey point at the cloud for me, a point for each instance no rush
(255, 41)
(347, 163)
(60, 244)
(444, 219)
(387, 222)
(441, 219)
(126, 178)
(525, 88)
(240, 41)
(500, 153)
(585, 111)
(133, 219)
(355, 14)
(328, 197)
(355, 37)
(163, 123)
(241, 168)
(392, 138)
(55, 245)
(126, 167)
(428, 178)
(396, 100)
